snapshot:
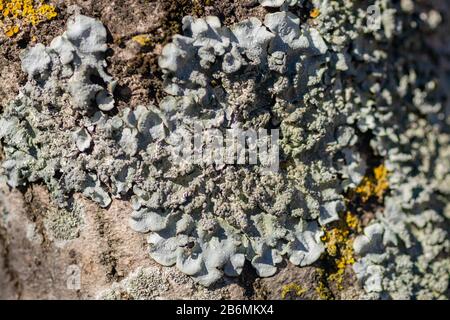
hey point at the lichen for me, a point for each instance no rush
(152, 283)
(16, 14)
(323, 292)
(142, 284)
(353, 222)
(339, 248)
(64, 225)
(314, 13)
(204, 236)
(142, 39)
(292, 288)
(277, 3)
(335, 90)
(374, 186)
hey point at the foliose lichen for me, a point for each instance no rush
(186, 208)
(324, 85)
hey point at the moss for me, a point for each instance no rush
(16, 14)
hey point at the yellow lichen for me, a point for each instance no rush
(381, 175)
(15, 14)
(339, 247)
(374, 186)
(292, 288)
(323, 291)
(332, 238)
(352, 221)
(346, 259)
(314, 13)
(142, 39)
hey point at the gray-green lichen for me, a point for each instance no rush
(405, 251)
(326, 86)
(154, 283)
(64, 225)
(186, 208)
(142, 284)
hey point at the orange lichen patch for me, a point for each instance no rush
(292, 288)
(314, 13)
(374, 186)
(15, 14)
